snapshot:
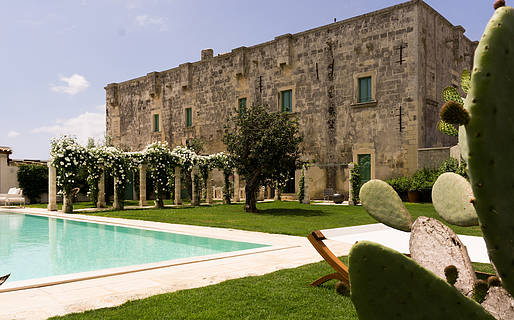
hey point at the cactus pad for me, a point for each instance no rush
(454, 113)
(465, 80)
(383, 203)
(386, 284)
(451, 196)
(435, 246)
(490, 134)
(451, 94)
(447, 128)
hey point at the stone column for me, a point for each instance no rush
(178, 187)
(268, 192)
(306, 195)
(100, 203)
(195, 201)
(142, 185)
(260, 195)
(350, 192)
(237, 196)
(118, 203)
(209, 188)
(52, 188)
(278, 193)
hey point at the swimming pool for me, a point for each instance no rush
(34, 246)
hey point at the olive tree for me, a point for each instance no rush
(265, 147)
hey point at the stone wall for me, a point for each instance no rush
(432, 158)
(321, 66)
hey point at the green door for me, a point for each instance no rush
(365, 167)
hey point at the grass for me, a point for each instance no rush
(283, 294)
(284, 217)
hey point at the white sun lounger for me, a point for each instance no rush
(14, 195)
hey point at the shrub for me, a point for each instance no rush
(301, 187)
(355, 182)
(401, 185)
(33, 179)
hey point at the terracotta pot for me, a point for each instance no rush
(413, 196)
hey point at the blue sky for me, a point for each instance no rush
(57, 56)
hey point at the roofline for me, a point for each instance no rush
(324, 27)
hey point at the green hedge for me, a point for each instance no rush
(33, 179)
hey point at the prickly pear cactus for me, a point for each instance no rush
(388, 285)
(451, 196)
(383, 203)
(490, 135)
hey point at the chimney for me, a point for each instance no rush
(207, 54)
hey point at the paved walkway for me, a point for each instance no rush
(399, 240)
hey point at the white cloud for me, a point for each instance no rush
(146, 20)
(86, 125)
(74, 84)
(12, 134)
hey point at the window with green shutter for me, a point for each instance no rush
(287, 100)
(189, 117)
(242, 106)
(365, 89)
(156, 123)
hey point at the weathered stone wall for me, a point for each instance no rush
(321, 66)
(444, 53)
(432, 158)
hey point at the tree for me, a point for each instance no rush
(33, 179)
(265, 147)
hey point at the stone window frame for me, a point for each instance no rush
(247, 97)
(152, 119)
(360, 75)
(293, 100)
(185, 117)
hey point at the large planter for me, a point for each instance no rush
(414, 196)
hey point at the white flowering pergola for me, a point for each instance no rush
(161, 163)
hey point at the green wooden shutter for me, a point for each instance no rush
(189, 117)
(365, 167)
(242, 106)
(365, 89)
(287, 101)
(155, 123)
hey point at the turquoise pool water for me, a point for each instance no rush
(35, 247)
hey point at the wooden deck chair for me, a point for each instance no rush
(4, 278)
(316, 238)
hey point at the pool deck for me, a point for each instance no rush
(103, 289)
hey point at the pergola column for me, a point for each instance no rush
(195, 201)
(306, 196)
(178, 187)
(237, 198)
(260, 194)
(117, 205)
(278, 193)
(209, 187)
(52, 187)
(350, 191)
(101, 191)
(142, 185)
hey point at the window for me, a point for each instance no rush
(156, 123)
(364, 89)
(189, 117)
(286, 99)
(242, 106)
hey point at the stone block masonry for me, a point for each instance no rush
(405, 55)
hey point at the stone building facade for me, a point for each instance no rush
(366, 89)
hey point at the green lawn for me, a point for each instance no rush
(283, 294)
(284, 217)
